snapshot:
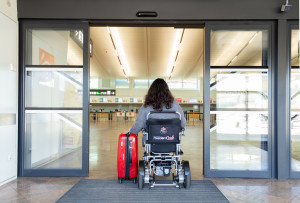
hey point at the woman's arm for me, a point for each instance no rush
(140, 121)
(183, 120)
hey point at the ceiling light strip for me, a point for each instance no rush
(175, 51)
(249, 42)
(119, 53)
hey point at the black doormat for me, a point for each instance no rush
(111, 191)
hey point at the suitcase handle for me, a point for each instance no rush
(130, 155)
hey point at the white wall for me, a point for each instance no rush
(8, 90)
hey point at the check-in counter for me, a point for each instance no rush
(130, 115)
(93, 115)
(102, 115)
(120, 115)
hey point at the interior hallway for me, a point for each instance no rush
(104, 143)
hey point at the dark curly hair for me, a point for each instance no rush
(159, 95)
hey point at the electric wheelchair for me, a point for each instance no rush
(162, 151)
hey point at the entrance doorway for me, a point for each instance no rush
(232, 97)
(123, 64)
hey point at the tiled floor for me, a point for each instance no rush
(103, 148)
(43, 190)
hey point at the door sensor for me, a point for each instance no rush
(146, 14)
(286, 7)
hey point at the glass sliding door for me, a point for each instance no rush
(55, 101)
(237, 102)
(295, 102)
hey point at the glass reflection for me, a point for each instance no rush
(53, 139)
(238, 48)
(53, 87)
(239, 89)
(295, 48)
(239, 119)
(295, 101)
(55, 47)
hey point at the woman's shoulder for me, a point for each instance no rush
(146, 108)
(175, 103)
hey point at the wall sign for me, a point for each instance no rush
(179, 100)
(100, 92)
(77, 36)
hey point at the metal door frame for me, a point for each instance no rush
(236, 25)
(290, 26)
(275, 147)
(55, 25)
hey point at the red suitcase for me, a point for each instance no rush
(127, 157)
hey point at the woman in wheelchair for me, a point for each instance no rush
(162, 121)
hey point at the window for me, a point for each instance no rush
(122, 83)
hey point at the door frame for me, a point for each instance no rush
(240, 25)
(85, 25)
(290, 26)
(23, 43)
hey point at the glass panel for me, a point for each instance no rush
(122, 83)
(238, 141)
(239, 119)
(295, 102)
(53, 139)
(49, 87)
(191, 84)
(141, 83)
(238, 48)
(175, 84)
(94, 82)
(295, 48)
(54, 47)
(251, 91)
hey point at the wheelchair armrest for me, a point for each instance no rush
(144, 131)
(181, 133)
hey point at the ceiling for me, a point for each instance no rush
(148, 51)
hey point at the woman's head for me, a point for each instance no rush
(159, 95)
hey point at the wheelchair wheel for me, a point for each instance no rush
(141, 182)
(187, 174)
(187, 181)
(141, 174)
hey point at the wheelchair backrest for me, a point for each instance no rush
(163, 127)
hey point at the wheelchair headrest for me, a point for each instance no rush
(163, 115)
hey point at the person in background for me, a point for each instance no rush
(158, 98)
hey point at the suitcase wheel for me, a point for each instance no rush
(120, 180)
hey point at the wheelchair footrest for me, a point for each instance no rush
(164, 183)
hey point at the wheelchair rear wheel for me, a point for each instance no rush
(141, 174)
(187, 181)
(141, 182)
(187, 174)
